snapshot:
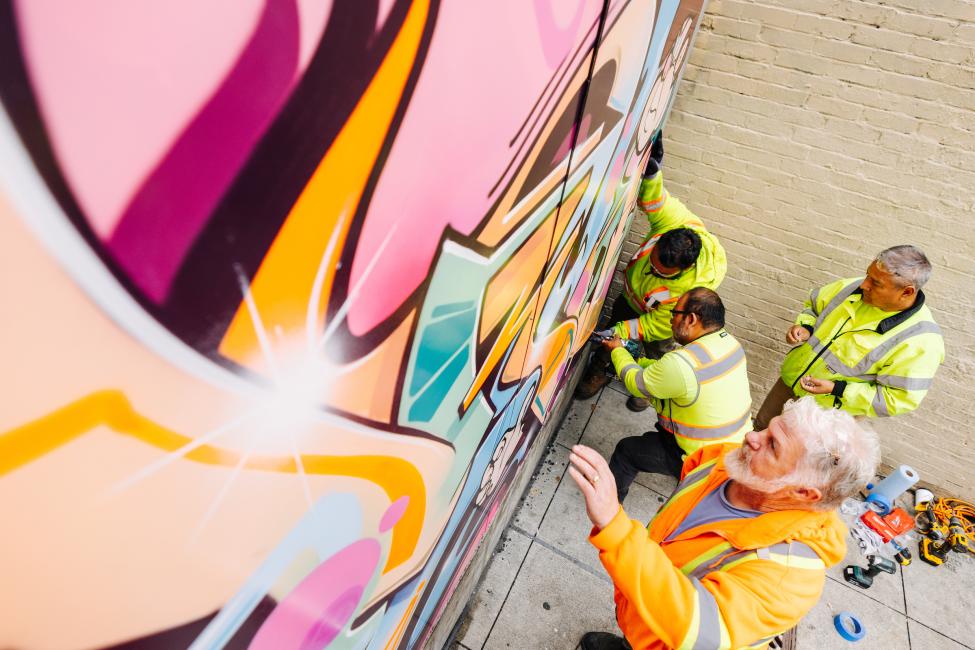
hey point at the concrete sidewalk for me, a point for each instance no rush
(545, 586)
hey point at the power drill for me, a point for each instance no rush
(861, 577)
(957, 537)
(933, 551)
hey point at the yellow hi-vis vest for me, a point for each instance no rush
(717, 408)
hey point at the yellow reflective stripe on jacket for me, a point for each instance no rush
(709, 554)
(693, 480)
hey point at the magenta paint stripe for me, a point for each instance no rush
(173, 204)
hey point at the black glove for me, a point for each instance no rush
(656, 155)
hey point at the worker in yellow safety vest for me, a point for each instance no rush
(869, 346)
(700, 391)
(739, 552)
(678, 253)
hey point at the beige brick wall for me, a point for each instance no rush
(811, 134)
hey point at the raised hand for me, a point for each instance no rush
(591, 473)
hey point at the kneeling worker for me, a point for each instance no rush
(700, 391)
(677, 254)
(739, 552)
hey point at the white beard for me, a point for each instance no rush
(739, 471)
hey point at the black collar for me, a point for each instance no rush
(891, 322)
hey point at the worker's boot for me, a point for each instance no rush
(604, 641)
(637, 404)
(596, 375)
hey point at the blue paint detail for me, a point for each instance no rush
(316, 530)
(447, 557)
(439, 345)
(425, 407)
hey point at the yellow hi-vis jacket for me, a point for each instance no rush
(700, 391)
(882, 362)
(733, 583)
(654, 297)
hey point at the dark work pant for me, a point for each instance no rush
(655, 452)
(621, 311)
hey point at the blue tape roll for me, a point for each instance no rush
(849, 626)
(881, 501)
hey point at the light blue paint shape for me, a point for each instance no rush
(316, 530)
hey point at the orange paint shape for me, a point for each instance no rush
(396, 476)
(284, 283)
(510, 298)
(519, 275)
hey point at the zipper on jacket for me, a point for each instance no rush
(820, 353)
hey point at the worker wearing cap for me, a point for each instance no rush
(869, 345)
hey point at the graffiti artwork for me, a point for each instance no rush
(290, 287)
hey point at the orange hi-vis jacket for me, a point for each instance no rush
(734, 583)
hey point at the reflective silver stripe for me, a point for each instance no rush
(641, 384)
(907, 383)
(719, 368)
(710, 623)
(698, 352)
(798, 549)
(813, 299)
(696, 474)
(653, 206)
(791, 549)
(647, 245)
(879, 352)
(838, 299)
(704, 433)
(880, 404)
(634, 326)
(697, 394)
(730, 556)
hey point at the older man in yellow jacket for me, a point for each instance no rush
(869, 345)
(739, 552)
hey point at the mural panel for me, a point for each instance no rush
(290, 288)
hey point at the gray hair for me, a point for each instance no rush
(842, 454)
(907, 263)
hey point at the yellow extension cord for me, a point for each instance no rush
(945, 509)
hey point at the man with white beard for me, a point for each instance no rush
(739, 552)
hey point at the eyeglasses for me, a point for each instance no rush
(685, 312)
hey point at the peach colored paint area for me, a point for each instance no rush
(134, 554)
(455, 101)
(117, 81)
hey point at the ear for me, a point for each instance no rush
(909, 291)
(809, 495)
